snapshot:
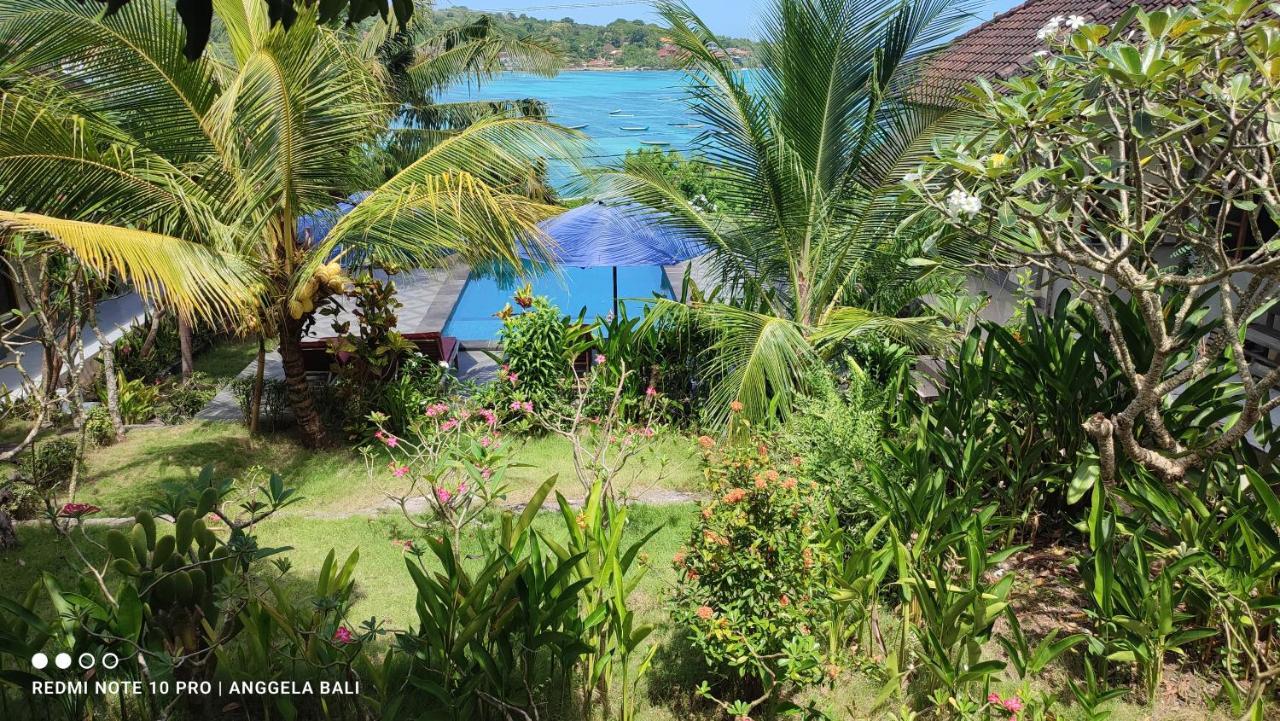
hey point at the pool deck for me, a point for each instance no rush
(427, 297)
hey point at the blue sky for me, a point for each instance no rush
(730, 17)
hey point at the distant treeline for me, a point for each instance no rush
(621, 43)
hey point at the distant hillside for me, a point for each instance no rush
(620, 44)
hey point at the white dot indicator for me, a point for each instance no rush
(39, 661)
(86, 660)
(62, 660)
(110, 660)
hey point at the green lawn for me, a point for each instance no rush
(228, 357)
(123, 477)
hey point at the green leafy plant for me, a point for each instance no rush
(752, 591)
(502, 639)
(539, 347)
(138, 399)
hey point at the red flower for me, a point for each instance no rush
(76, 510)
(343, 635)
(784, 601)
(705, 613)
(734, 495)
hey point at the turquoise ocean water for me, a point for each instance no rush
(605, 103)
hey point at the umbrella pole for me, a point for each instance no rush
(615, 292)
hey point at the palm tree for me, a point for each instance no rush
(231, 152)
(423, 59)
(813, 146)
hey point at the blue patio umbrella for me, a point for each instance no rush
(313, 227)
(601, 234)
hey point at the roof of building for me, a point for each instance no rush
(1000, 47)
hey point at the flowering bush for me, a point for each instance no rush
(752, 590)
(449, 465)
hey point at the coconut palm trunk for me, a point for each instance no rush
(301, 399)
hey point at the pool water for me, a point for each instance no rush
(573, 290)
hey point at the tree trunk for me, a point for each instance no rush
(153, 332)
(8, 536)
(255, 406)
(108, 353)
(184, 343)
(295, 378)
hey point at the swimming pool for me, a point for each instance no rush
(573, 290)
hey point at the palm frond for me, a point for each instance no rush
(129, 66)
(194, 280)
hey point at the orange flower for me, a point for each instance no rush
(691, 574)
(806, 557)
(734, 495)
(706, 442)
(706, 512)
(797, 461)
(705, 613)
(678, 559)
(736, 406)
(761, 483)
(784, 601)
(832, 671)
(789, 484)
(772, 475)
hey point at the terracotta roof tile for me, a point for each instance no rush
(1002, 46)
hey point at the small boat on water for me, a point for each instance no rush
(619, 111)
(635, 127)
(576, 127)
(659, 143)
(686, 125)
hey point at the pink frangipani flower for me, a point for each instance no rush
(343, 635)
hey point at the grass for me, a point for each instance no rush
(124, 477)
(226, 359)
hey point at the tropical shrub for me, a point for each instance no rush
(503, 638)
(452, 462)
(418, 383)
(183, 398)
(138, 398)
(175, 598)
(48, 464)
(275, 399)
(539, 346)
(840, 432)
(98, 426)
(753, 592)
(367, 358)
(135, 359)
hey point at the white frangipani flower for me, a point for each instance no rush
(1040, 53)
(1075, 22)
(960, 202)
